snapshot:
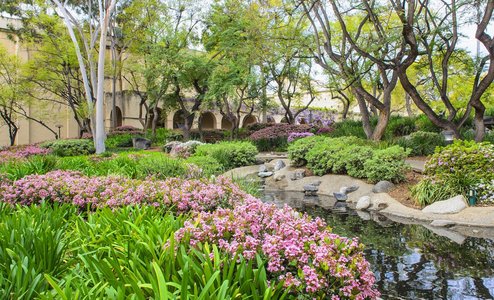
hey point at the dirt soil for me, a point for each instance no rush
(402, 191)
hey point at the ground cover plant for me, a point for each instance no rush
(71, 147)
(163, 239)
(456, 169)
(21, 152)
(349, 155)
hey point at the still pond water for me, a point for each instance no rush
(409, 261)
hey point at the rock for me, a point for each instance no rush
(279, 177)
(452, 235)
(265, 174)
(141, 143)
(363, 203)
(383, 187)
(451, 206)
(316, 183)
(310, 190)
(347, 190)
(191, 145)
(263, 168)
(279, 164)
(340, 207)
(297, 174)
(364, 215)
(170, 145)
(340, 196)
(442, 223)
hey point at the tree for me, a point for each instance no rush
(85, 46)
(360, 44)
(431, 34)
(16, 90)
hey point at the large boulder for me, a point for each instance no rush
(141, 143)
(383, 187)
(451, 206)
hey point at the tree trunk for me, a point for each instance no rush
(382, 123)
(408, 105)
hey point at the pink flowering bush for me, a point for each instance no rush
(93, 192)
(16, 153)
(298, 135)
(299, 251)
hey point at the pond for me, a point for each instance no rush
(409, 261)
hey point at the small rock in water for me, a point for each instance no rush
(340, 196)
(265, 174)
(363, 203)
(297, 174)
(310, 190)
(278, 165)
(263, 168)
(383, 187)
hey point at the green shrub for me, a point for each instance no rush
(119, 141)
(462, 159)
(387, 164)
(423, 123)
(209, 165)
(400, 126)
(348, 128)
(323, 155)
(164, 135)
(70, 147)
(297, 150)
(421, 143)
(352, 160)
(229, 154)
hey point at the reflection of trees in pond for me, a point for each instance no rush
(412, 262)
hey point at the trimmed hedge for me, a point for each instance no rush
(70, 147)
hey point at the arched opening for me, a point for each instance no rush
(178, 119)
(208, 120)
(250, 119)
(226, 124)
(161, 118)
(118, 115)
(270, 120)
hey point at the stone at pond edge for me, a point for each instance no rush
(316, 183)
(265, 174)
(364, 215)
(141, 143)
(363, 202)
(279, 164)
(297, 174)
(383, 187)
(263, 168)
(349, 189)
(451, 206)
(279, 177)
(340, 196)
(442, 223)
(310, 190)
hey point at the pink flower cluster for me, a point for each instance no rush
(299, 251)
(15, 153)
(73, 187)
(298, 135)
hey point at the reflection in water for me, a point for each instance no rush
(409, 261)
